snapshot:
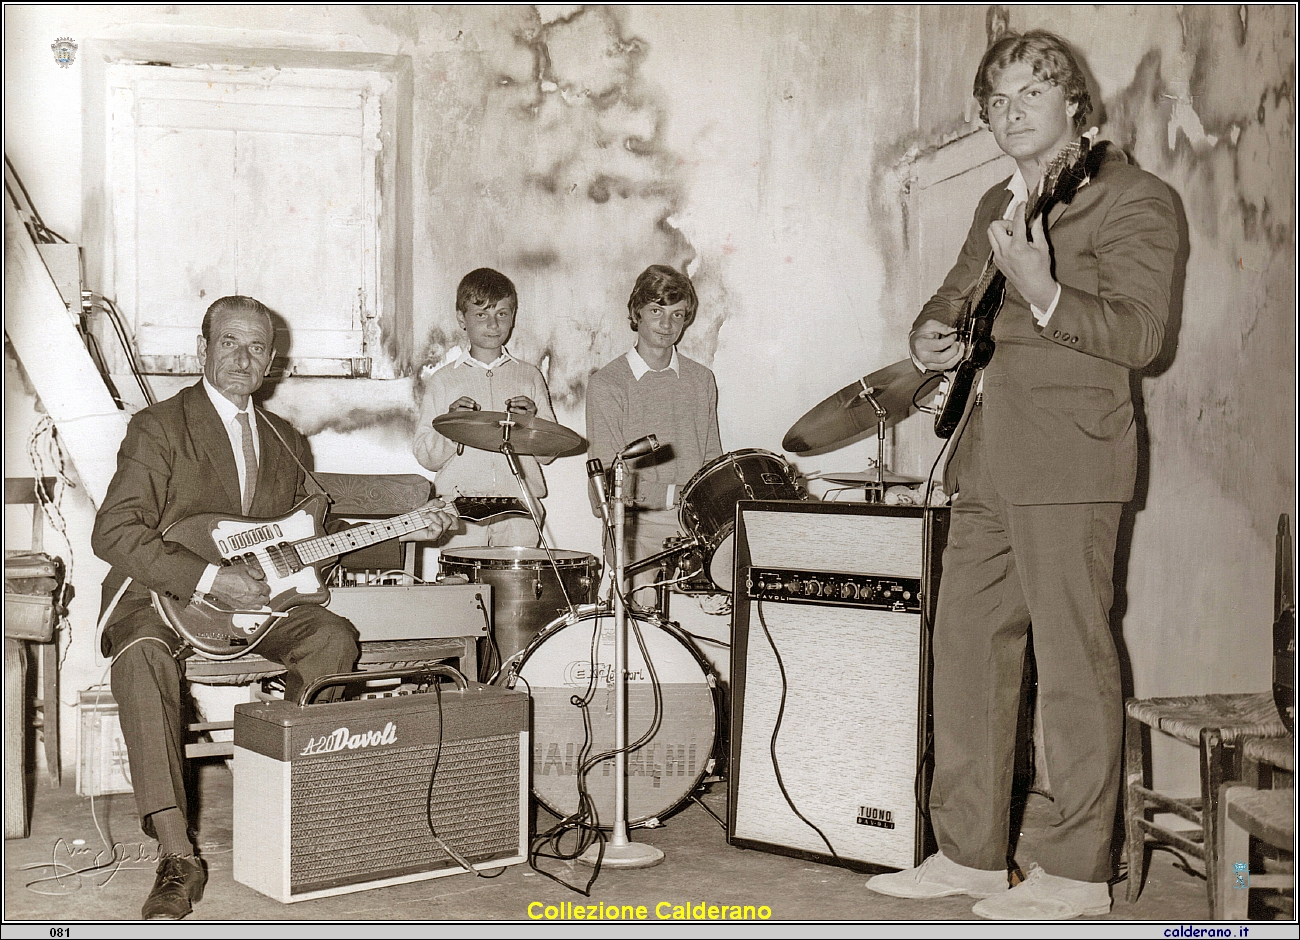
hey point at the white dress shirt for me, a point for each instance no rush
(639, 368)
(228, 412)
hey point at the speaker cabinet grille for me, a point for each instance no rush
(842, 687)
(361, 816)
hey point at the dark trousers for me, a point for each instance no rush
(147, 686)
(1004, 567)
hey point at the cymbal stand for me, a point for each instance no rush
(534, 510)
(620, 851)
(878, 488)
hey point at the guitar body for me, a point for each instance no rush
(289, 551)
(265, 544)
(977, 335)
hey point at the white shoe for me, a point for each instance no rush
(1047, 897)
(939, 877)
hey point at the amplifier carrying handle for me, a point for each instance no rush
(428, 673)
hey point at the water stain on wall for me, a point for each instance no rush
(557, 174)
(1216, 120)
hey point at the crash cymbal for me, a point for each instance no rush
(868, 476)
(847, 413)
(482, 430)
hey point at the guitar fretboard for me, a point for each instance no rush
(311, 551)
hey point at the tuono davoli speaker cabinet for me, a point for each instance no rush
(833, 604)
(345, 796)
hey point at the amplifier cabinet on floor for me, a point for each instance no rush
(830, 680)
(346, 796)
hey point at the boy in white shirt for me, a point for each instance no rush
(485, 377)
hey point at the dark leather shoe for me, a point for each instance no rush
(179, 885)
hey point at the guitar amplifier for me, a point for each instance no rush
(346, 796)
(830, 680)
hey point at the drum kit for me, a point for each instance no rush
(570, 651)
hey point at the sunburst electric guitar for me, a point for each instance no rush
(1069, 170)
(289, 551)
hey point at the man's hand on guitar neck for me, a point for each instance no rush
(239, 587)
(439, 517)
(935, 346)
(1027, 265)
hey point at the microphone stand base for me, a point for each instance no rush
(631, 855)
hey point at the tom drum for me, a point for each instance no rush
(708, 502)
(526, 593)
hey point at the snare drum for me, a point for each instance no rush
(709, 502)
(526, 593)
(574, 659)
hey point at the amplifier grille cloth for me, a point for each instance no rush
(361, 816)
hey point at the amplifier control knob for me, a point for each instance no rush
(792, 586)
(848, 591)
(812, 587)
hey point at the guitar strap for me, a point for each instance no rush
(320, 486)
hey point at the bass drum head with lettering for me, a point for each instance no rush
(574, 659)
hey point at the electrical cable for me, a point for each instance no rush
(116, 321)
(41, 233)
(460, 859)
(776, 730)
(46, 457)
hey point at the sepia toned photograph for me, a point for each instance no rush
(543, 464)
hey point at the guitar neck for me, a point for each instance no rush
(311, 551)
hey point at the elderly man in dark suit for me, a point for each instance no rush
(1042, 469)
(207, 449)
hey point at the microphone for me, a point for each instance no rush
(639, 448)
(596, 473)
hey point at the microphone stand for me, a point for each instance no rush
(620, 851)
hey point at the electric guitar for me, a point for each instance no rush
(289, 552)
(1069, 170)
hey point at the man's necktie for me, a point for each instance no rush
(250, 460)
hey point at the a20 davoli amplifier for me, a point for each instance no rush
(830, 679)
(341, 797)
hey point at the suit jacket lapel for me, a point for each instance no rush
(212, 441)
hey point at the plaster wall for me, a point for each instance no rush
(765, 150)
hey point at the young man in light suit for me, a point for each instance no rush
(1045, 462)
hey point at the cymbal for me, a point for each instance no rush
(869, 476)
(531, 436)
(846, 414)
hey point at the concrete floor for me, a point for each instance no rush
(699, 865)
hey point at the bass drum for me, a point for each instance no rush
(709, 502)
(573, 660)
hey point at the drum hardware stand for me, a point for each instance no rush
(534, 511)
(620, 851)
(875, 492)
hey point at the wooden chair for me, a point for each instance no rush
(1253, 810)
(1218, 725)
(1215, 724)
(356, 496)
